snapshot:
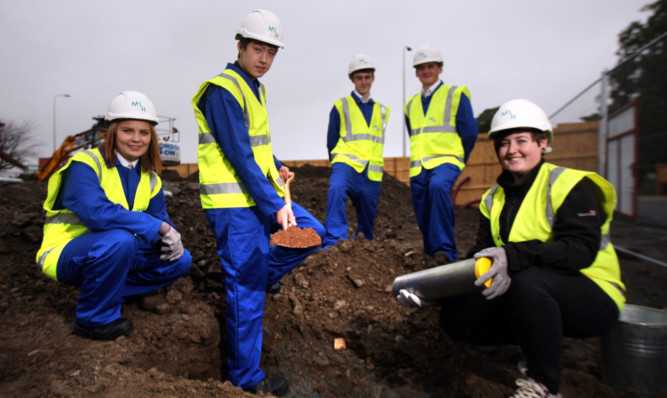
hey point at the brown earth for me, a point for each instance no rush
(177, 348)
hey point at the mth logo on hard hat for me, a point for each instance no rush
(138, 103)
(275, 31)
(508, 113)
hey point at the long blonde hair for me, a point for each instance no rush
(150, 161)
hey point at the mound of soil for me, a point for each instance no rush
(341, 295)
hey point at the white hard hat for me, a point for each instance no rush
(520, 113)
(131, 105)
(425, 54)
(261, 25)
(360, 62)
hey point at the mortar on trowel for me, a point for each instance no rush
(295, 237)
(444, 280)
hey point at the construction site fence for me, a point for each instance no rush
(574, 146)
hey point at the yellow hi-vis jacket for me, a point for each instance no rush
(360, 143)
(63, 225)
(219, 184)
(433, 136)
(535, 219)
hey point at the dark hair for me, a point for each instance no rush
(372, 70)
(440, 64)
(245, 41)
(150, 161)
(538, 135)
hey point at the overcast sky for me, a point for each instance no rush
(546, 51)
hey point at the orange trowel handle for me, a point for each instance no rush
(288, 197)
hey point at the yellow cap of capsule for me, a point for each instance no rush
(481, 266)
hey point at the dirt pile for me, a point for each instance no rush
(178, 347)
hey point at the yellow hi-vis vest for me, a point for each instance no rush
(433, 136)
(535, 219)
(359, 143)
(63, 225)
(219, 184)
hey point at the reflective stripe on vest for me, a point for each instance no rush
(257, 140)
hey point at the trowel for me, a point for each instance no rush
(295, 237)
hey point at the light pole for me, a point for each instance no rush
(54, 117)
(405, 49)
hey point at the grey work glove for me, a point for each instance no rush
(172, 246)
(498, 271)
(412, 300)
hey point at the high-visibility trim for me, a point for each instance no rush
(376, 169)
(433, 129)
(553, 176)
(206, 138)
(246, 114)
(360, 137)
(256, 140)
(42, 258)
(352, 158)
(222, 187)
(63, 218)
(97, 163)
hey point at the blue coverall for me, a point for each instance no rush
(345, 181)
(431, 189)
(120, 256)
(248, 262)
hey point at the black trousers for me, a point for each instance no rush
(540, 307)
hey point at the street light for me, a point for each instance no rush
(405, 49)
(54, 117)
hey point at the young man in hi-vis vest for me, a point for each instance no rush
(442, 130)
(242, 189)
(355, 142)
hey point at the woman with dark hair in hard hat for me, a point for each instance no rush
(555, 273)
(107, 228)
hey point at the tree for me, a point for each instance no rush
(16, 143)
(644, 77)
(484, 119)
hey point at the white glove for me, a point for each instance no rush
(172, 245)
(411, 300)
(498, 271)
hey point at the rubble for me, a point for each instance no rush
(178, 346)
